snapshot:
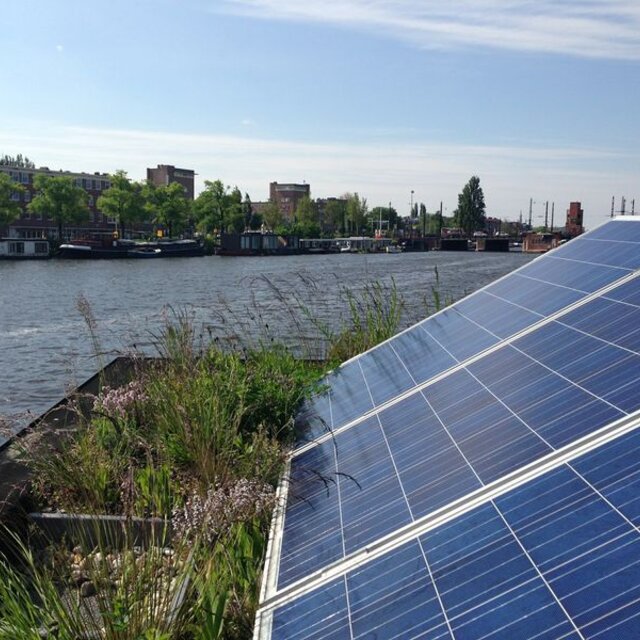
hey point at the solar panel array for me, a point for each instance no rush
(476, 476)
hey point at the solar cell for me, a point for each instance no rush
(518, 301)
(381, 519)
(557, 557)
(469, 429)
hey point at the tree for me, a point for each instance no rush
(59, 198)
(335, 212)
(123, 200)
(356, 212)
(233, 214)
(18, 161)
(307, 212)
(423, 218)
(306, 219)
(272, 215)
(469, 215)
(9, 207)
(168, 205)
(388, 216)
(218, 210)
(251, 220)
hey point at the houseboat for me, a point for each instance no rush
(24, 249)
(108, 248)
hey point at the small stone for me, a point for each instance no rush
(87, 589)
(79, 578)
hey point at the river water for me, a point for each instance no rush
(46, 346)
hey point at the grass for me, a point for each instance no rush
(199, 438)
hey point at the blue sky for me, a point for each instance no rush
(539, 98)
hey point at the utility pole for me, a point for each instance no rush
(553, 207)
(530, 213)
(440, 220)
(633, 207)
(623, 205)
(613, 202)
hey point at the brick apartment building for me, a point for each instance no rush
(31, 225)
(287, 197)
(165, 174)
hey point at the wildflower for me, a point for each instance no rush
(116, 402)
(214, 513)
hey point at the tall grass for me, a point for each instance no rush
(201, 426)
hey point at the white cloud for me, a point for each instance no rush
(59, 48)
(382, 172)
(586, 28)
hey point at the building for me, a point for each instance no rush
(31, 225)
(287, 197)
(165, 174)
(573, 226)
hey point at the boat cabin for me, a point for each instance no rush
(23, 249)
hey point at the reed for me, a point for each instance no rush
(198, 438)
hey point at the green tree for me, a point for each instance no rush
(307, 212)
(272, 215)
(233, 214)
(217, 209)
(168, 206)
(356, 213)
(9, 208)
(17, 161)
(469, 215)
(335, 212)
(251, 220)
(423, 218)
(59, 198)
(388, 216)
(123, 200)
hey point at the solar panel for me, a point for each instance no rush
(515, 302)
(558, 557)
(380, 534)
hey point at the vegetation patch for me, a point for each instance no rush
(199, 439)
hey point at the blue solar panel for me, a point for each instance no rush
(516, 302)
(430, 425)
(471, 428)
(558, 557)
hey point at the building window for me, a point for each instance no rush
(15, 196)
(16, 248)
(90, 201)
(78, 182)
(27, 196)
(41, 247)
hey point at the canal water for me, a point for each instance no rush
(46, 346)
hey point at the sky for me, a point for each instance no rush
(538, 98)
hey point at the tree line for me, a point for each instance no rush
(219, 208)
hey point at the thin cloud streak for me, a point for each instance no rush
(380, 172)
(588, 28)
